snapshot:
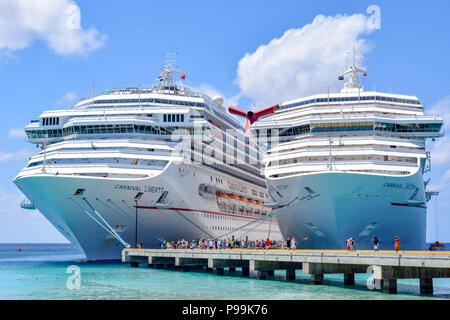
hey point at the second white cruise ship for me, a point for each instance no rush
(350, 164)
(145, 166)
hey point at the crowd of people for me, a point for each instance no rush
(351, 244)
(290, 244)
(230, 244)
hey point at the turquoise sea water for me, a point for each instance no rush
(39, 271)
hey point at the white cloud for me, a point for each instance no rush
(16, 133)
(441, 183)
(23, 154)
(440, 152)
(302, 61)
(212, 92)
(442, 109)
(57, 22)
(440, 149)
(67, 99)
(21, 225)
(9, 201)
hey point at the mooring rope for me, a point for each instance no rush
(123, 213)
(273, 214)
(100, 224)
(107, 224)
(194, 224)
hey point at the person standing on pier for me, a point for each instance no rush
(288, 243)
(351, 243)
(375, 243)
(293, 243)
(397, 243)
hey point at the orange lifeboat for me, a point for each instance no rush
(241, 198)
(251, 201)
(232, 196)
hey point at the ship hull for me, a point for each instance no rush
(105, 201)
(334, 206)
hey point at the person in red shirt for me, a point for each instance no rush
(267, 243)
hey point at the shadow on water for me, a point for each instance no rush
(41, 272)
(406, 288)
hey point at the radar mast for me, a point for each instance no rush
(353, 85)
(165, 80)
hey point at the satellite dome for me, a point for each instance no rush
(218, 100)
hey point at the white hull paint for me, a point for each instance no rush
(189, 215)
(345, 205)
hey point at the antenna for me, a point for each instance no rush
(328, 95)
(170, 58)
(353, 84)
(436, 217)
(93, 92)
(330, 141)
(167, 71)
(139, 95)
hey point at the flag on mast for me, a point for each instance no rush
(183, 76)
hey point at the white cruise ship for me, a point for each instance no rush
(350, 164)
(126, 155)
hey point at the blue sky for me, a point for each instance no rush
(235, 48)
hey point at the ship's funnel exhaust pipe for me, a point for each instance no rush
(252, 116)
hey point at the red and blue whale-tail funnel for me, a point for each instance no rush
(252, 116)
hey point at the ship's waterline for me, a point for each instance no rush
(187, 215)
(166, 161)
(350, 164)
(339, 205)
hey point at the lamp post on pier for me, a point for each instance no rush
(136, 199)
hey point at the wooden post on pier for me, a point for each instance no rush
(386, 266)
(426, 286)
(290, 274)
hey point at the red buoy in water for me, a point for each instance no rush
(18, 250)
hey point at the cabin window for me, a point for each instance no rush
(79, 192)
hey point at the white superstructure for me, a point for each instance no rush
(173, 158)
(352, 164)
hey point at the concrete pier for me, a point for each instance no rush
(220, 271)
(290, 274)
(386, 266)
(349, 279)
(426, 286)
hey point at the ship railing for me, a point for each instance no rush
(145, 144)
(81, 166)
(344, 163)
(181, 90)
(347, 116)
(344, 148)
(142, 155)
(326, 169)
